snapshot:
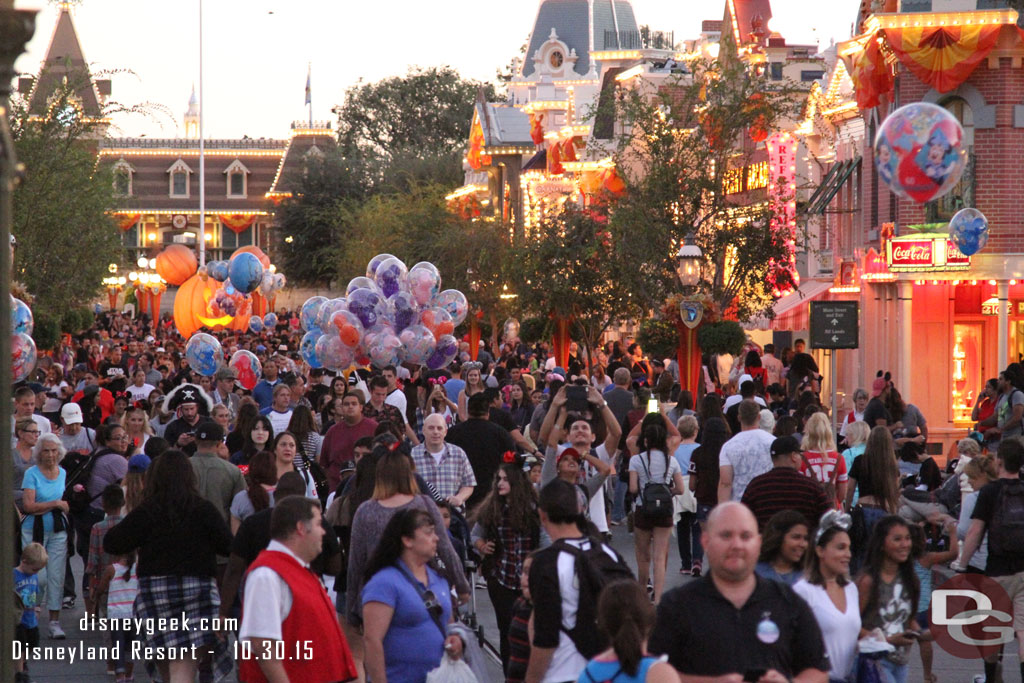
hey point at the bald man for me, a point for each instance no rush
(731, 625)
(442, 464)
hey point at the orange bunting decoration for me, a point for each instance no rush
(568, 150)
(475, 157)
(176, 263)
(555, 160)
(943, 56)
(537, 128)
(236, 222)
(127, 221)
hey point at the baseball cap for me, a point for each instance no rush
(226, 373)
(80, 367)
(71, 414)
(138, 462)
(878, 386)
(569, 453)
(785, 445)
(36, 387)
(209, 431)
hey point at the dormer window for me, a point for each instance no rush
(237, 179)
(178, 180)
(123, 172)
(556, 59)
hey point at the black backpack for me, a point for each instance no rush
(656, 498)
(594, 569)
(1006, 530)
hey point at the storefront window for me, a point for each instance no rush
(962, 194)
(966, 379)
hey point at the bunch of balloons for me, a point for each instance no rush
(23, 347)
(390, 315)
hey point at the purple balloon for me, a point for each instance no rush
(367, 305)
(391, 276)
(444, 353)
(403, 310)
(371, 267)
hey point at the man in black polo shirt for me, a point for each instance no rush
(484, 442)
(784, 488)
(733, 624)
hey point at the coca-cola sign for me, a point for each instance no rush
(925, 253)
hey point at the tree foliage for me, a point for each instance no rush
(410, 128)
(65, 237)
(572, 269)
(679, 143)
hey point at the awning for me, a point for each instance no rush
(538, 162)
(792, 311)
(830, 186)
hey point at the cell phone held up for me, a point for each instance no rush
(575, 398)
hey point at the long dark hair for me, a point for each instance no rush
(521, 501)
(716, 433)
(626, 616)
(302, 423)
(247, 414)
(880, 468)
(653, 434)
(780, 524)
(171, 485)
(249, 448)
(812, 565)
(710, 406)
(876, 557)
(262, 470)
(403, 524)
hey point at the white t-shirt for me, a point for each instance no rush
(279, 421)
(749, 454)
(736, 398)
(397, 399)
(267, 601)
(140, 393)
(653, 462)
(839, 630)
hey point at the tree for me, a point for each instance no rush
(681, 146)
(571, 268)
(312, 228)
(410, 128)
(66, 239)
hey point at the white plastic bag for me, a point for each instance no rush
(451, 671)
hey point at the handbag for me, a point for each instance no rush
(320, 483)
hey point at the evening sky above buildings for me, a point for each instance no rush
(256, 53)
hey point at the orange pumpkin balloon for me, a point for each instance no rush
(192, 310)
(256, 251)
(176, 264)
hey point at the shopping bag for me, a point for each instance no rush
(451, 671)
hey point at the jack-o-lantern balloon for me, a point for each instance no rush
(196, 306)
(176, 263)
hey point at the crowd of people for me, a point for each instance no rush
(334, 526)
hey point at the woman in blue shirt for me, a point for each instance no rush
(46, 520)
(406, 603)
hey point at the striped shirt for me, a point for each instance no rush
(519, 641)
(784, 488)
(122, 592)
(448, 475)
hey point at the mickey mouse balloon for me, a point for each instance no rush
(920, 152)
(968, 230)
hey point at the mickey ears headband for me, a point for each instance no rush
(833, 519)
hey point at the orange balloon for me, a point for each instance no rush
(443, 329)
(176, 264)
(192, 308)
(349, 335)
(256, 251)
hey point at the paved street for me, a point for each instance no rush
(949, 669)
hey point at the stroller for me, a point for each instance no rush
(460, 533)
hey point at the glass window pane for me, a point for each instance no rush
(180, 183)
(237, 184)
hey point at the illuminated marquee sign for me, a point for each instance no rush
(924, 253)
(783, 276)
(748, 178)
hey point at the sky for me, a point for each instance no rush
(256, 52)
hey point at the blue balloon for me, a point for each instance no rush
(968, 230)
(270, 321)
(255, 324)
(327, 311)
(245, 272)
(310, 311)
(307, 348)
(21, 317)
(204, 354)
(218, 270)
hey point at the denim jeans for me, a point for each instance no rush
(51, 577)
(688, 536)
(619, 501)
(895, 673)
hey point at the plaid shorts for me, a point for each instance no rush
(194, 598)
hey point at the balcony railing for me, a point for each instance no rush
(639, 40)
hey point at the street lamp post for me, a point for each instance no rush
(689, 261)
(689, 269)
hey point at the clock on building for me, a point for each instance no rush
(179, 221)
(556, 59)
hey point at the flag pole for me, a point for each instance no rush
(309, 91)
(202, 149)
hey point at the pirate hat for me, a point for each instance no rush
(188, 393)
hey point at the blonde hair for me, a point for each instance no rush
(23, 424)
(35, 555)
(687, 426)
(968, 447)
(134, 483)
(857, 433)
(818, 435)
(982, 466)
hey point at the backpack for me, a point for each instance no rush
(656, 498)
(594, 570)
(79, 473)
(1006, 530)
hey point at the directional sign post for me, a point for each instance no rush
(835, 325)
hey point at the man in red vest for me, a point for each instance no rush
(289, 629)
